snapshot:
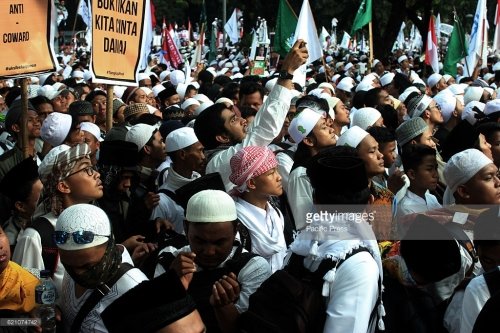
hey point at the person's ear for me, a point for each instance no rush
(251, 184)
(308, 141)
(427, 114)
(411, 174)
(16, 128)
(147, 149)
(371, 199)
(19, 206)
(63, 187)
(222, 138)
(463, 192)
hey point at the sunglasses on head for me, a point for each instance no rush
(79, 237)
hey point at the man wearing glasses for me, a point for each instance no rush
(68, 178)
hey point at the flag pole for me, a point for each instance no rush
(109, 107)
(24, 117)
(455, 17)
(74, 21)
(370, 59)
(324, 66)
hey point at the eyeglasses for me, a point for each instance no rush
(88, 169)
(79, 237)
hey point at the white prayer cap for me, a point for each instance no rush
(339, 64)
(118, 91)
(77, 74)
(181, 89)
(469, 113)
(407, 92)
(364, 86)
(371, 77)
(237, 76)
(335, 77)
(462, 166)
(47, 166)
(228, 64)
(460, 65)
(44, 77)
(180, 138)
(177, 77)
(348, 66)
(489, 90)
(375, 62)
(456, 89)
(326, 85)
(496, 67)
(224, 100)
(83, 218)
(303, 123)
(332, 102)
(212, 71)
(151, 109)
(58, 85)
(488, 76)
(352, 137)
(92, 129)
(365, 117)
(140, 134)
(87, 75)
(34, 80)
(417, 105)
(157, 89)
(434, 79)
(202, 98)
(448, 103)
(195, 84)
(164, 74)
(402, 58)
(188, 102)
(222, 71)
(211, 206)
(51, 94)
(492, 107)
(473, 94)
(55, 128)
(346, 84)
(316, 92)
(386, 79)
(142, 76)
(202, 107)
(447, 77)
(270, 84)
(146, 90)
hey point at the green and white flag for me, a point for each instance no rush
(363, 17)
(285, 28)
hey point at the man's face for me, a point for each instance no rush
(28, 206)
(4, 250)
(195, 157)
(342, 114)
(371, 156)
(384, 98)
(388, 149)
(84, 185)
(125, 181)
(91, 141)
(99, 105)
(156, 149)
(236, 127)
(212, 242)
(252, 100)
(80, 261)
(60, 104)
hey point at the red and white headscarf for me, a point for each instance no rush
(248, 163)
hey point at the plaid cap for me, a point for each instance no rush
(135, 109)
(81, 108)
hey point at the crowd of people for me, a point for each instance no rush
(383, 184)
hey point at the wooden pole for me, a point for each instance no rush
(326, 72)
(370, 58)
(109, 107)
(24, 118)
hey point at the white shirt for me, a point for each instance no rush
(70, 304)
(285, 164)
(475, 296)
(255, 272)
(266, 231)
(265, 127)
(300, 196)
(412, 203)
(168, 209)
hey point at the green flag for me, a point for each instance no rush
(285, 28)
(363, 17)
(457, 49)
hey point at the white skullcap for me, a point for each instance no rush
(462, 166)
(211, 206)
(448, 103)
(456, 89)
(224, 100)
(386, 79)
(55, 128)
(77, 74)
(469, 113)
(181, 89)
(332, 102)
(212, 71)
(348, 66)
(92, 129)
(335, 77)
(339, 64)
(157, 89)
(164, 74)
(365, 117)
(402, 58)
(375, 62)
(228, 65)
(316, 92)
(489, 90)
(222, 71)
(44, 77)
(492, 107)
(87, 75)
(151, 109)
(417, 105)
(346, 84)
(371, 77)
(195, 84)
(47, 166)
(364, 86)
(177, 77)
(326, 85)
(447, 77)
(140, 134)
(434, 79)
(328, 59)
(237, 76)
(188, 102)
(51, 94)
(180, 138)
(496, 67)
(146, 90)
(270, 84)
(84, 217)
(302, 124)
(118, 91)
(202, 107)
(352, 137)
(407, 92)
(488, 76)
(58, 85)
(142, 76)
(202, 98)
(473, 94)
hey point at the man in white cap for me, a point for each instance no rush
(344, 90)
(99, 271)
(309, 130)
(405, 68)
(206, 267)
(92, 137)
(425, 107)
(436, 83)
(221, 131)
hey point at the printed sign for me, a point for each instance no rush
(25, 30)
(117, 33)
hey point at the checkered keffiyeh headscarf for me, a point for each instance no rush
(248, 163)
(62, 166)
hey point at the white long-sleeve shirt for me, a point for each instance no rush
(300, 196)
